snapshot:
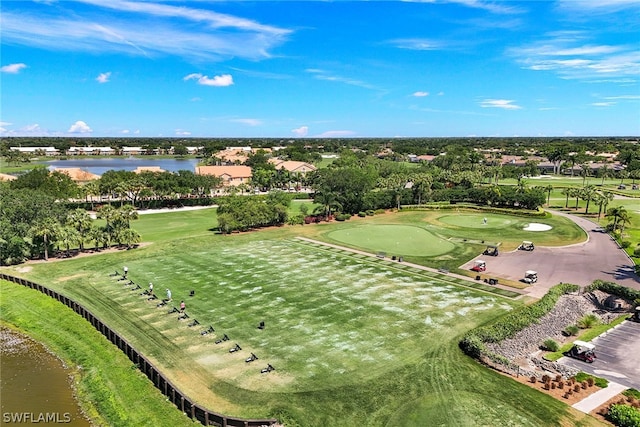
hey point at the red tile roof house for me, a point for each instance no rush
(293, 167)
(232, 176)
(77, 174)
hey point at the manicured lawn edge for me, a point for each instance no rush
(110, 389)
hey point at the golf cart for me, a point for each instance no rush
(530, 277)
(492, 250)
(526, 246)
(479, 266)
(583, 351)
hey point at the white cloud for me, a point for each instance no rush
(599, 6)
(181, 132)
(603, 104)
(336, 134)
(136, 132)
(623, 97)
(300, 132)
(249, 122)
(440, 93)
(3, 129)
(31, 128)
(420, 94)
(505, 104)
(103, 77)
(489, 6)
(79, 127)
(13, 68)
(195, 99)
(124, 131)
(186, 31)
(220, 81)
(570, 55)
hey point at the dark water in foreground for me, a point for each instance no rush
(100, 165)
(34, 385)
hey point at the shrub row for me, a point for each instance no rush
(600, 382)
(624, 416)
(473, 343)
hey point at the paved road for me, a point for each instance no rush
(617, 356)
(597, 258)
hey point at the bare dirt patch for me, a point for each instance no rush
(75, 276)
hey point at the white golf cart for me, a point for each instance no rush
(526, 246)
(530, 277)
(582, 350)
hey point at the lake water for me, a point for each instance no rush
(36, 388)
(101, 165)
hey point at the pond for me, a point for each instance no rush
(35, 385)
(100, 165)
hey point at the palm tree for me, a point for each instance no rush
(327, 201)
(585, 172)
(126, 214)
(45, 230)
(568, 192)
(575, 192)
(588, 194)
(99, 237)
(624, 218)
(67, 236)
(604, 172)
(618, 213)
(623, 175)
(548, 189)
(81, 221)
(607, 197)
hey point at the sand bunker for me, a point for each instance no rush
(535, 226)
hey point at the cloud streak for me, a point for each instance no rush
(567, 54)
(505, 104)
(186, 32)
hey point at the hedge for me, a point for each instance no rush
(614, 289)
(473, 343)
(624, 416)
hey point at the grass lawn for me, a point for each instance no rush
(354, 342)
(106, 383)
(442, 238)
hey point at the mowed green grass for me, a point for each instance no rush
(354, 341)
(393, 239)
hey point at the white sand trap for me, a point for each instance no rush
(536, 226)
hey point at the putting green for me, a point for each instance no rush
(477, 220)
(393, 239)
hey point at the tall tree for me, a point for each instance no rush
(46, 231)
(81, 221)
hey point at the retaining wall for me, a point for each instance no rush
(204, 416)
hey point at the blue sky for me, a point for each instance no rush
(320, 69)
